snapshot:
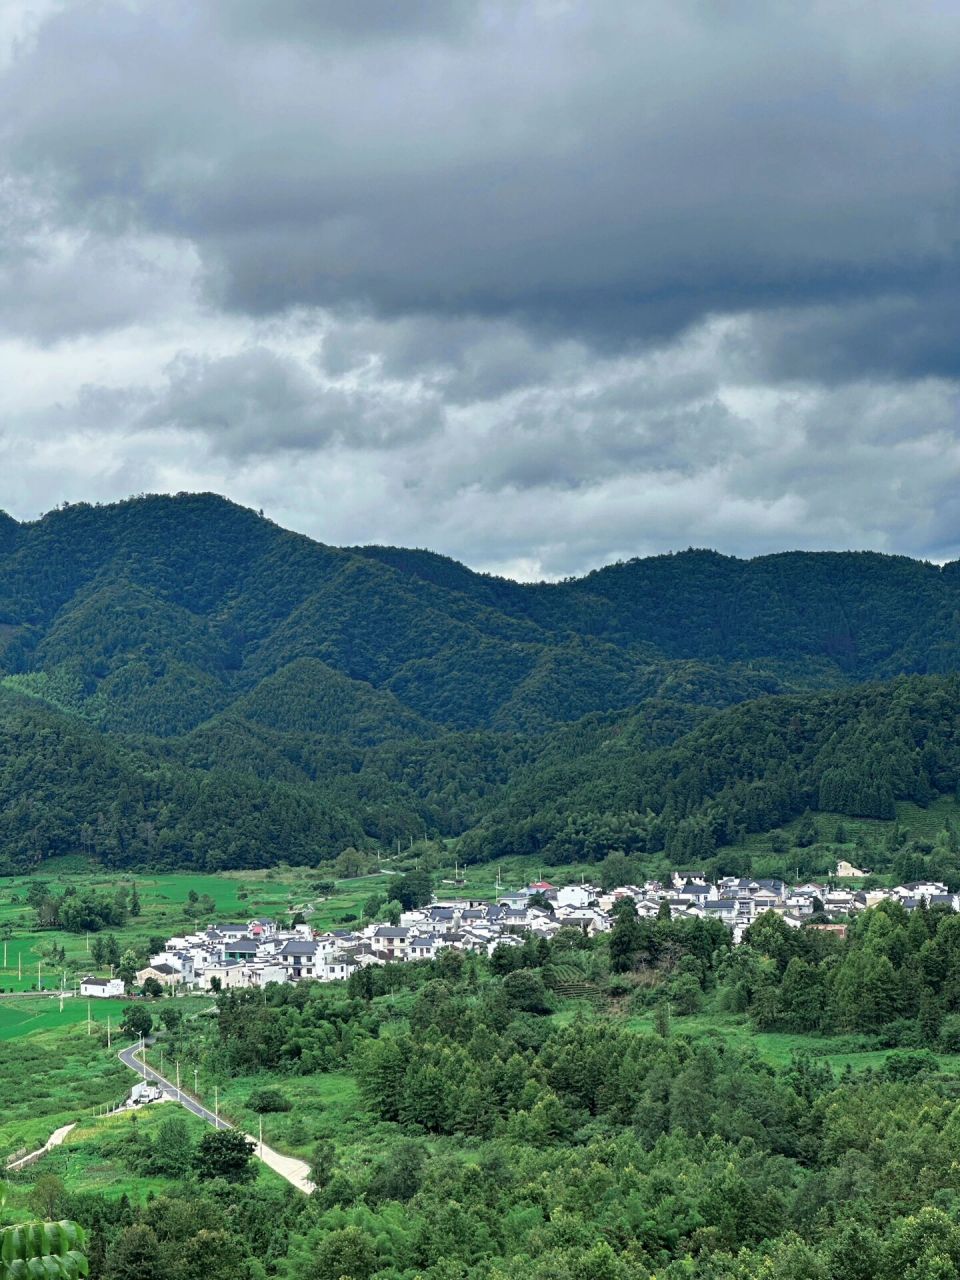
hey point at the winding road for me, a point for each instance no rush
(296, 1172)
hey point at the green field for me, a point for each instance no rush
(21, 1015)
(778, 1048)
(164, 912)
(324, 1105)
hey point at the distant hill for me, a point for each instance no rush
(195, 655)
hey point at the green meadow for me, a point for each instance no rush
(22, 1015)
(777, 1048)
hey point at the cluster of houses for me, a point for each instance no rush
(737, 901)
(254, 953)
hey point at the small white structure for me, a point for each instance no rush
(574, 895)
(102, 988)
(848, 870)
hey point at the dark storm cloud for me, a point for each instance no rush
(906, 335)
(608, 170)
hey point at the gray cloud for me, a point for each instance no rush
(607, 170)
(353, 20)
(537, 284)
(259, 402)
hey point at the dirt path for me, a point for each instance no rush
(55, 1139)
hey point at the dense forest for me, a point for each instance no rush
(183, 683)
(489, 1140)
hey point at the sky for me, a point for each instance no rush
(538, 284)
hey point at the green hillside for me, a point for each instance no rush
(183, 683)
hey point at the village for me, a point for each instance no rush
(254, 953)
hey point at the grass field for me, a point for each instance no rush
(21, 1015)
(774, 1047)
(164, 901)
(323, 1106)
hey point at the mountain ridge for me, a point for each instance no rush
(357, 694)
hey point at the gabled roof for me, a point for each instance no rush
(294, 948)
(697, 890)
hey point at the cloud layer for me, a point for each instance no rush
(535, 284)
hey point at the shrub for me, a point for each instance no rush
(264, 1101)
(905, 1066)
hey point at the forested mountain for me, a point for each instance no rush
(185, 682)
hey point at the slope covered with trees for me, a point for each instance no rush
(184, 683)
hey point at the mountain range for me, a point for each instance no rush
(184, 683)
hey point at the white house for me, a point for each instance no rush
(102, 988)
(574, 895)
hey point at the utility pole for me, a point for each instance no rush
(108, 1031)
(89, 1022)
(196, 1087)
(216, 1105)
(261, 1137)
(4, 955)
(161, 1059)
(20, 965)
(178, 1079)
(39, 983)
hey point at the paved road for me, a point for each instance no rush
(296, 1172)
